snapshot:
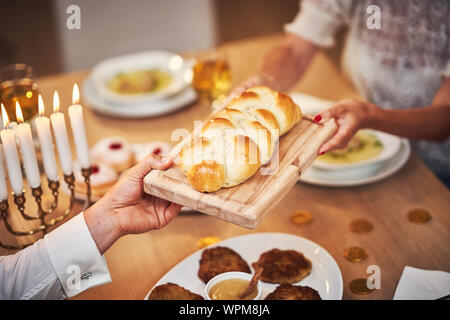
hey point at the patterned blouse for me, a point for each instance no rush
(399, 65)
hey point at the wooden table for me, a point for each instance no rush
(137, 262)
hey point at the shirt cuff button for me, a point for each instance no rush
(87, 275)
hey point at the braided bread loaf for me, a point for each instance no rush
(239, 140)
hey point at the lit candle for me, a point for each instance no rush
(78, 129)
(45, 138)
(11, 156)
(62, 140)
(3, 187)
(23, 133)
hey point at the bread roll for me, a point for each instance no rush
(239, 140)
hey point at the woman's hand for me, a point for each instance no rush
(126, 208)
(429, 122)
(350, 116)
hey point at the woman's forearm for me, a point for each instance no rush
(281, 68)
(284, 65)
(429, 123)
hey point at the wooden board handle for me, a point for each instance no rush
(309, 154)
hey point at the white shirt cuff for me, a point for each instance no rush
(75, 257)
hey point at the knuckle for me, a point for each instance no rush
(338, 108)
(341, 145)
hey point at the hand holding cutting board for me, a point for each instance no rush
(208, 180)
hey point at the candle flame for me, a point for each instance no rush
(55, 101)
(41, 105)
(19, 115)
(75, 94)
(5, 117)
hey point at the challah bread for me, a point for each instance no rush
(240, 139)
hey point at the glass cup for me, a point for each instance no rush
(211, 76)
(17, 83)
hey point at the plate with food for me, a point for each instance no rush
(292, 268)
(358, 176)
(150, 108)
(366, 148)
(140, 77)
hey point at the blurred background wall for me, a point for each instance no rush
(28, 34)
(114, 27)
(35, 32)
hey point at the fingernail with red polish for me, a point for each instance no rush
(321, 153)
(317, 118)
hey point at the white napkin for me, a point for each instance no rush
(418, 284)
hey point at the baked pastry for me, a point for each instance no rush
(218, 260)
(290, 292)
(241, 138)
(114, 152)
(141, 150)
(172, 291)
(283, 266)
(102, 179)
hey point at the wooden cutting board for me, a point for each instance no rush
(247, 203)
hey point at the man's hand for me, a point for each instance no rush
(126, 208)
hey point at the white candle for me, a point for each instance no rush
(3, 187)
(23, 133)
(78, 129)
(45, 138)
(61, 138)
(11, 156)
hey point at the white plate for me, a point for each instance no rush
(144, 109)
(358, 176)
(391, 145)
(310, 105)
(325, 275)
(162, 60)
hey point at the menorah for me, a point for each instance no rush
(41, 214)
(21, 135)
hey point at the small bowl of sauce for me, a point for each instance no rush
(229, 286)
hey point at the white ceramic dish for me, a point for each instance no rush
(230, 275)
(391, 145)
(325, 275)
(166, 61)
(361, 175)
(144, 109)
(310, 105)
